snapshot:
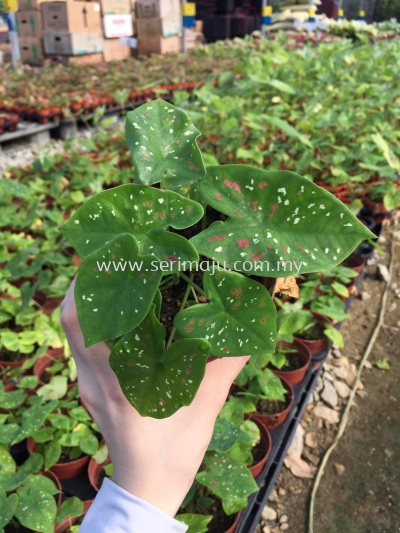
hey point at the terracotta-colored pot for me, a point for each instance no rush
(295, 376)
(355, 262)
(12, 364)
(256, 469)
(65, 525)
(63, 470)
(316, 345)
(275, 420)
(94, 471)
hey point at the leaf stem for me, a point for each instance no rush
(194, 294)
(190, 281)
(184, 300)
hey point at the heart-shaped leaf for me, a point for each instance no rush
(225, 435)
(144, 212)
(239, 320)
(157, 382)
(197, 523)
(279, 223)
(7, 507)
(163, 143)
(71, 507)
(226, 477)
(111, 302)
(36, 509)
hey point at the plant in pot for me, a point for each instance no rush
(269, 397)
(28, 498)
(272, 217)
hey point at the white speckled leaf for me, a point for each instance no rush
(145, 212)
(156, 382)
(226, 477)
(7, 507)
(278, 223)
(239, 320)
(36, 509)
(163, 143)
(111, 302)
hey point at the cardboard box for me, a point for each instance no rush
(76, 17)
(87, 59)
(31, 49)
(30, 5)
(115, 7)
(159, 45)
(114, 50)
(193, 39)
(158, 8)
(117, 26)
(29, 23)
(72, 44)
(166, 27)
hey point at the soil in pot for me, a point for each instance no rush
(261, 451)
(298, 362)
(221, 523)
(273, 413)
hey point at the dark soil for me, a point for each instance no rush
(258, 452)
(294, 362)
(171, 303)
(220, 522)
(314, 333)
(272, 407)
(100, 480)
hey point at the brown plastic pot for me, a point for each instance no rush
(63, 470)
(94, 471)
(316, 345)
(266, 441)
(276, 420)
(65, 525)
(295, 376)
(356, 262)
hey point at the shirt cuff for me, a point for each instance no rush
(115, 510)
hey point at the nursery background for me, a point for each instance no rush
(307, 440)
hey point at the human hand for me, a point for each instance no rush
(155, 460)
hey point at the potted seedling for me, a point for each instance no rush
(272, 217)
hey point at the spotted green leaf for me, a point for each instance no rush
(239, 320)
(227, 478)
(33, 417)
(197, 523)
(111, 302)
(7, 463)
(225, 435)
(7, 507)
(36, 509)
(144, 212)
(12, 480)
(279, 223)
(163, 143)
(157, 382)
(71, 507)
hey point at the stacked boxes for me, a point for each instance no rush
(159, 26)
(30, 26)
(72, 28)
(117, 24)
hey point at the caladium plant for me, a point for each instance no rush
(141, 239)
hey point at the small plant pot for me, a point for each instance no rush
(316, 345)
(295, 376)
(94, 471)
(356, 262)
(271, 421)
(65, 525)
(63, 470)
(257, 468)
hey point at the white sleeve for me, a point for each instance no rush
(115, 510)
